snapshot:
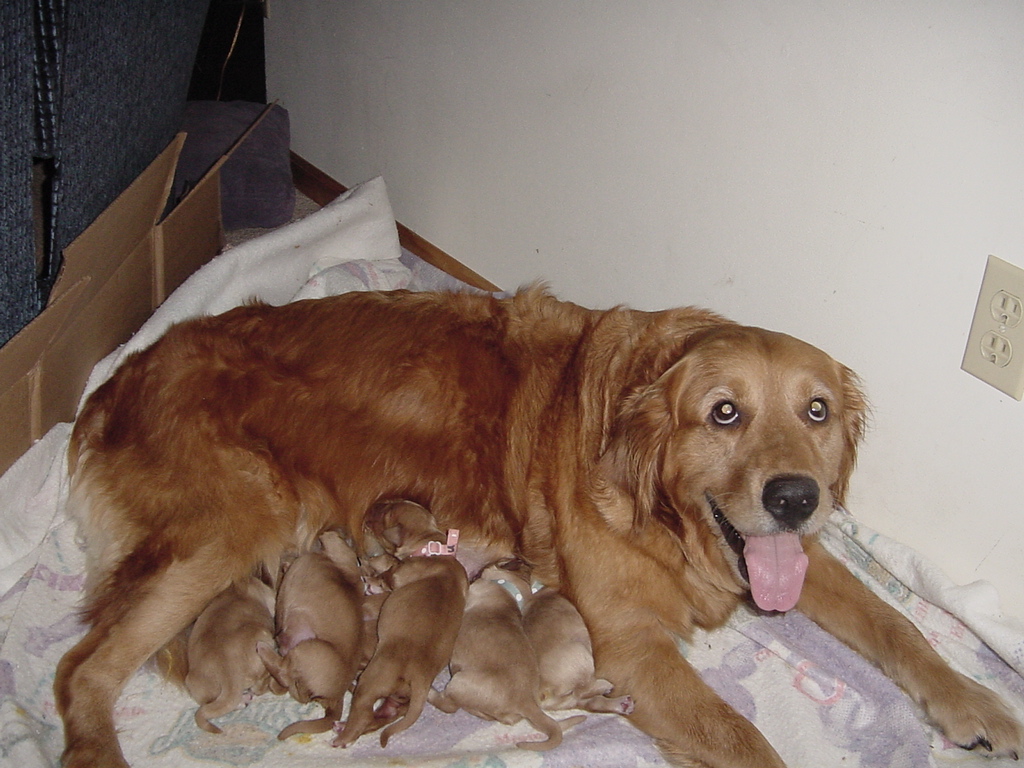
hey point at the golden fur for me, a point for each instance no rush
(319, 620)
(416, 627)
(224, 667)
(495, 673)
(598, 445)
(565, 657)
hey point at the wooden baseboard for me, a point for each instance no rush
(314, 183)
(322, 189)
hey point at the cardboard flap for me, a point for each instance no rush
(184, 244)
(114, 274)
(101, 248)
(21, 418)
(107, 318)
(186, 240)
(24, 351)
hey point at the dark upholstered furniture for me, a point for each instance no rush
(92, 91)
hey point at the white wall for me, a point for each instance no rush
(838, 171)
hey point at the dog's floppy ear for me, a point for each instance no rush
(632, 460)
(515, 564)
(854, 415)
(394, 535)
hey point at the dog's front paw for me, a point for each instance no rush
(975, 718)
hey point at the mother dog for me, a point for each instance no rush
(658, 467)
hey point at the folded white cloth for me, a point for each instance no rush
(32, 495)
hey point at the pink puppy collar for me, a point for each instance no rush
(439, 549)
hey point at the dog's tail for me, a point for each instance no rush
(224, 702)
(417, 700)
(550, 727)
(203, 720)
(332, 713)
(362, 718)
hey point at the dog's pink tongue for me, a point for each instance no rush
(776, 566)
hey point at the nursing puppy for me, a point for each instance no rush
(494, 670)
(372, 604)
(224, 667)
(658, 468)
(319, 631)
(372, 569)
(376, 586)
(417, 626)
(565, 657)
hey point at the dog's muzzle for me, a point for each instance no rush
(774, 565)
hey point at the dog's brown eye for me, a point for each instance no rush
(725, 413)
(817, 410)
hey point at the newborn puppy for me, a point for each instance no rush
(319, 630)
(494, 669)
(371, 614)
(373, 570)
(565, 657)
(224, 668)
(417, 626)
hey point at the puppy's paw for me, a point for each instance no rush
(626, 705)
(339, 739)
(975, 718)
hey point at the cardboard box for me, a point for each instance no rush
(114, 275)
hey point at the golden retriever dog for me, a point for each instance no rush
(565, 657)
(656, 467)
(224, 668)
(495, 674)
(319, 619)
(417, 624)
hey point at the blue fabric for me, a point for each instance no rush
(20, 298)
(96, 89)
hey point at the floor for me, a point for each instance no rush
(303, 207)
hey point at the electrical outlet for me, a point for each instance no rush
(995, 345)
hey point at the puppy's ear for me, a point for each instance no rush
(632, 459)
(394, 535)
(373, 520)
(854, 414)
(515, 564)
(270, 571)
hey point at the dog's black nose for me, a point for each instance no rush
(790, 499)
